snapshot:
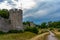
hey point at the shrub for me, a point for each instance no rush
(32, 29)
(1, 32)
(51, 28)
(15, 31)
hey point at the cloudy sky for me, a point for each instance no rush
(37, 11)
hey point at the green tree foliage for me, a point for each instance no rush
(38, 26)
(43, 25)
(54, 24)
(26, 23)
(32, 29)
(4, 13)
(1, 32)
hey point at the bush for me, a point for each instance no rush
(1, 32)
(51, 28)
(32, 29)
(15, 31)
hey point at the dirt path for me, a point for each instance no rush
(51, 36)
(39, 37)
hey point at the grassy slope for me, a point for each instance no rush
(40, 37)
(17, 36)
(58, 35)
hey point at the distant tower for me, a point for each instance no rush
(16, 19)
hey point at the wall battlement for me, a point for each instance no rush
(15, 10)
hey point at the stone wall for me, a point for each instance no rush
(16, 19)
(4, 24)
(14, 22)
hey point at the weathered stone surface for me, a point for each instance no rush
(16, 19)
(14, 22)
(4, 24)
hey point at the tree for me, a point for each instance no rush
(4, 13)
(32, 29)
(44, 25)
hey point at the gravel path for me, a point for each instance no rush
(51, 36)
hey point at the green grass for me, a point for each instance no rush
(41, 36)
(17, 36)
(58, 36)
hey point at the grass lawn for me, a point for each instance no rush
(17, 36)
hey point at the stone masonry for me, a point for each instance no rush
(14, 22)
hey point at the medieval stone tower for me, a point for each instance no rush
(16, 19)
(14, 22)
